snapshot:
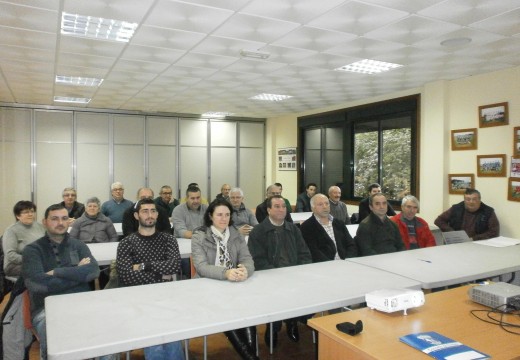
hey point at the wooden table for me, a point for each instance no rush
(446, 312)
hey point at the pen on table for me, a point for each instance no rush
(428, 261)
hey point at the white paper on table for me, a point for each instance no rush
(500, 241)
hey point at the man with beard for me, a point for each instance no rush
(148, 257)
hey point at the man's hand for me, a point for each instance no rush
(84, 261)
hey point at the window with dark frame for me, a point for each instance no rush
(355, 147)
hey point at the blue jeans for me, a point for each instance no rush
(38, 322)
(169, 351)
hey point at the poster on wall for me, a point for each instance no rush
(287, 159)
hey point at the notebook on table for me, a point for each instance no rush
(455, 237)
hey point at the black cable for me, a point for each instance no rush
(500, 322)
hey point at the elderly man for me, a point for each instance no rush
(471, 215)
(303, 201)
(53, 265)
(414, 231)
(149, 257)
(338, 209)
(131, 224)
(261, 209)
(326, 236)
(277, 243)
(116, 207)
(165, 200)
(75, 209)
(364, 207)
(224, 192)
(377, 234)
(242, 217)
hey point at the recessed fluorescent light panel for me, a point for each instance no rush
(73, 100)
(96, 28)
(215, 114)
(78, 81)
(368, 66)
(270, 97)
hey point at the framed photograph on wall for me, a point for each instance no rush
(491, 165)
(287, 159)
(493, 115)
(515, 167)
(464, 139)
(513, 189)
(516, 141)
(458, 183)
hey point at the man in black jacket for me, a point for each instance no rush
(326, 237)
(471, 215)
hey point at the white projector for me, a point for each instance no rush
(392, 300)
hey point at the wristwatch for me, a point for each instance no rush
(141, 267)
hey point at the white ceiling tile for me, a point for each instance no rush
(226, 47)
(153, 54)
(27, 66)
(90, 72)
(72, 44)
(42, 4)
(140, 66)
(478, 38)
(411, 30)
(313, 39)
(123, 10)
(505, 24)
(206, 61)
(254, 28)
(167, 38)
(357, 18)
(27, 38)
(325, 61)
(299, 11)
(28, 18)
(364, 48)
(188, 17)
(28, 54)
(83, 60)
(406, 5)
(190, 72)
(255, 66)
(465, 12)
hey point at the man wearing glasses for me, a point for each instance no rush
(74, 208)
(115, 207)
(166, 201)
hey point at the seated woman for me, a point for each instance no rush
(94, 227)
(20, 234)
(220, 252)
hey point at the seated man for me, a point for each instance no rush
(364, 208)
(303, 201)
(203, 200)
(415, 232)
(187, 217)
(75, 209)
(326, 236)
(471, 215)
(149, 257)
(377, 234)
(287, 202)
(242, 217)
(166, 201)
(55, 264)
(115, 207)
(276, 243)
(338, 208)
(224, 192)
(130, 224)
(261, 209)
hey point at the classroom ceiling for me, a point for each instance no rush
(185, 56)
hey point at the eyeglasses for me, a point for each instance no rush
(118, 189)
(166, 193)
(69, 195)
(27, 212)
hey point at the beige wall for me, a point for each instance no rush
(445, 105)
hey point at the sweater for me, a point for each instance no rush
(378, 237)
(16, 238)
(115, 210)
(93, 230)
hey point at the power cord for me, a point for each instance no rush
(496, 317)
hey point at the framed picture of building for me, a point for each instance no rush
(493, 115)
(491, 165)
(464, 139)
(458, 183)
